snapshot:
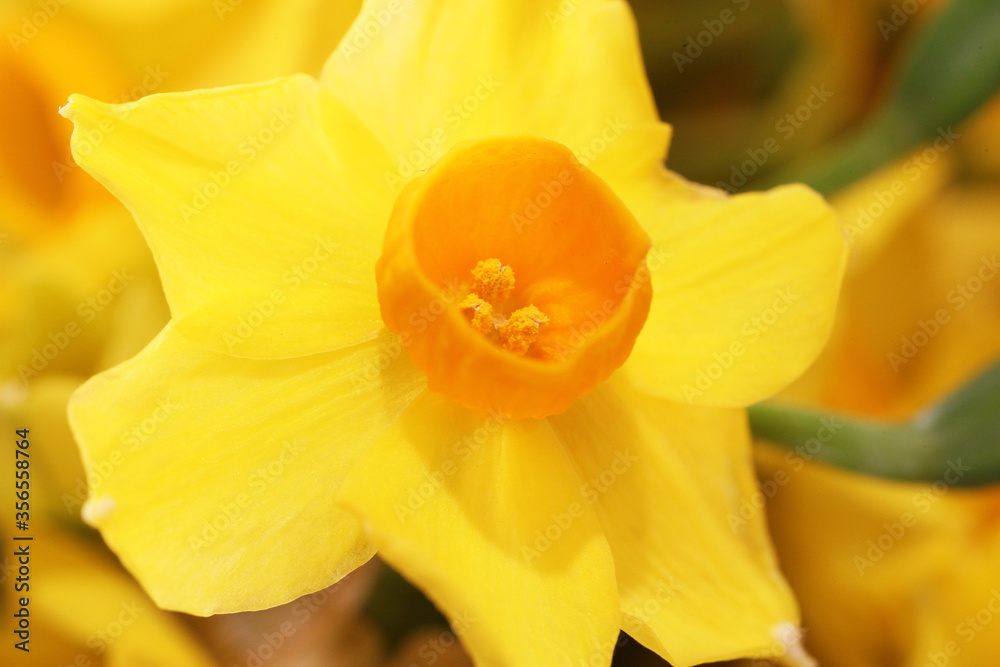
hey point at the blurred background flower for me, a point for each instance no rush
(750, 86)
(886, 573)
(889, 573)
(79, 291)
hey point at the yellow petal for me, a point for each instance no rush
(213, 478)
(696, 574)
(100, 609)
(483, 514)
(424, 76)
(744, 291)
(263, 207)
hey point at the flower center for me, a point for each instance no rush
(511, 274)
(495, 282)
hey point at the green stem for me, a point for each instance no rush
(846, 163)
(956, 440)
(950, 69)
(884, 450)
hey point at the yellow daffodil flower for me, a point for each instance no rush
(445, 303)
(893, 574)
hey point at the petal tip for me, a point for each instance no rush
(96, 510)
(790, 637)
(13, 394)
(75, 105)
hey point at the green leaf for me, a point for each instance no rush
(960, 434)
(951, 68)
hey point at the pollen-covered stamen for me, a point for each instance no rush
(521, 329)
(492, 281)
(492, 285)
(480, 314)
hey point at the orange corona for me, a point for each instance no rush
(551, 303)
